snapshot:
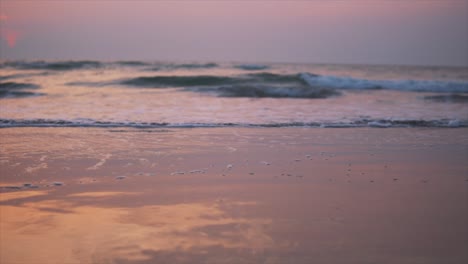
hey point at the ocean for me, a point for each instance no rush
(152, 94)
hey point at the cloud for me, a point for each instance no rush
(3, 17)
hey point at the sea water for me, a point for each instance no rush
(149, 94)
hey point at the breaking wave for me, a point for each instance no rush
(276, 78)
(337, 82)
(303, 79)
(256, 85)
(374, 123)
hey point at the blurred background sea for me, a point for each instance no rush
(205, 94)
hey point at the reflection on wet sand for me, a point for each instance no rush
(61, 231)
(18, 195)
(100, 194)
(288, 195)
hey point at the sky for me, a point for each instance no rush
(416, 32)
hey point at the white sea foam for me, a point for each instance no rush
(338, 82)
(363, 122)
(379, 124)
(101, 162)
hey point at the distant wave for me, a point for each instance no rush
(337, 82)
(252, 67)
(15, 89)
(89, 84)
(193, 65)
(89, 64)
(179, 66)
(365, 122)
(51, 65)
(215, 79)
(448, 98)
(15, 85)
(270, 91)
(210, 80)
(178, 81)
(132, 63)
(17, 94)
(21, 75)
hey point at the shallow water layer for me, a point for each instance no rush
(233, 195)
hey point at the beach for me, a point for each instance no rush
(233, 195)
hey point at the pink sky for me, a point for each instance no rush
(354, 31)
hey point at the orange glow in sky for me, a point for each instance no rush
(11, 37)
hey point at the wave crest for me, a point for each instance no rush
(15, 89)
(178, 81)
(252, 67)
(337, 82)
(373, 123)
(53, 66)
(210, 80)
(268, 91)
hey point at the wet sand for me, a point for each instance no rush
(233, 195)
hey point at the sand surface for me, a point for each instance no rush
(233, 195)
